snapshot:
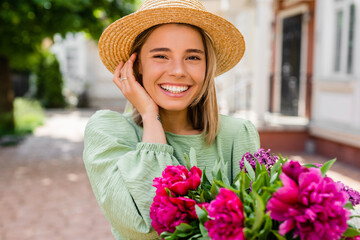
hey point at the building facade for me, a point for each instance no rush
(335, 121)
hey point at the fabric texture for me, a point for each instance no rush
(121, 168)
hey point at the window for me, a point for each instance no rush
(339, 26)
(351, 40)
(343, 57)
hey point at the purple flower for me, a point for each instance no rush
(167, 212)
(353, 195)
(178, 179)
(262, 156)
(309, 204)
(226, 217)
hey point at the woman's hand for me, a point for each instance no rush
(124, 78)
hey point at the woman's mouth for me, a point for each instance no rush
(174, 88)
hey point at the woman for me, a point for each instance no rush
(164, 58)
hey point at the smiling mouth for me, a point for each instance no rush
(174, 89)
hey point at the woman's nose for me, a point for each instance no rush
(177, 69)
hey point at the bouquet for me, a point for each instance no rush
(270, 198)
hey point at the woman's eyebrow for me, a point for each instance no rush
(191, 50)
(160, 50)
(195, 50)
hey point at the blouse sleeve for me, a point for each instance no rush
(121, 170)
(247, 140)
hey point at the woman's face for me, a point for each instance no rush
(173, 65)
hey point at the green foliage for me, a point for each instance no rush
(24, 24)
(49, 82)
(6, 123)
(28, 115)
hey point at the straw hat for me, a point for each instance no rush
(116, 41)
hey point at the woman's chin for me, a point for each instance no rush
(173, 108)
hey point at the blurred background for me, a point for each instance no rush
(298, 83)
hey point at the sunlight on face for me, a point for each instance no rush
(173, 65)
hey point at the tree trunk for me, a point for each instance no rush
(6, 98)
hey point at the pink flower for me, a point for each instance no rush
(168, 212)
(178, 179)
(353, 238)
(309, 204)
(226, 217)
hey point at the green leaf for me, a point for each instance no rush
(327, 166)
(196, 236)
(351, 232)
(259, 182)
(250, 170)
(187, 162)
(310, 165)
(274, 177)
(184, 227)
(169, 192)
(223, 185)
(201, 213)
(278, 236)
(193, 160)
(204, 178)
(214, 190)
(259, 212)
(257, 168)
(264, 232)
(204, 232)
(275, 167)
(348, 205)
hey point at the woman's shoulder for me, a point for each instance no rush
(233, 125)
(109, 117)
(233, 122)
(111, 122)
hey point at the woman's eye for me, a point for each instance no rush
(160, 56)
(193, 58)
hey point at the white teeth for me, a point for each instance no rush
(174, 89)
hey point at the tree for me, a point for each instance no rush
(25, 23)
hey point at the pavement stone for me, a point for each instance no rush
(45, 192)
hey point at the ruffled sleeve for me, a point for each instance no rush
(121, 170)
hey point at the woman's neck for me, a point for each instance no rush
(177, 122)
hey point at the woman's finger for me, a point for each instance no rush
(117, 75)
(130, 69)
(118, 69)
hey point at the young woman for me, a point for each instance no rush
(164, 58)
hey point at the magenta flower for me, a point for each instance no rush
(178, 179)
(226, 217)
(167, 212)
(309, 204)
(353, 238)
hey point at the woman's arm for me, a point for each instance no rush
(121, 170)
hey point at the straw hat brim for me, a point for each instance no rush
(116, 41)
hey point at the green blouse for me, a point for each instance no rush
(121, 168)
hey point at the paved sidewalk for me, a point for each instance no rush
(44, 190)
(45, 193)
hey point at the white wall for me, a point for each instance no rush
(336, 99)
(83, 71)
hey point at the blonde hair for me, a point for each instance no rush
(203, 111)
